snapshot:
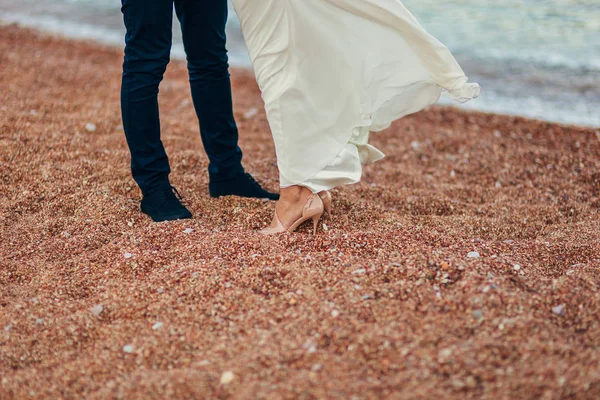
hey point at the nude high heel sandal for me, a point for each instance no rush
(313, 210)
(327, 201)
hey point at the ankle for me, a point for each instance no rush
(294, 194)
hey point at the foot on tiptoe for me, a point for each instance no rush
(243, 185)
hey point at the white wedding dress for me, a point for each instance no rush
(331, 71)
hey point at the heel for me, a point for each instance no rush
(315, 221)
(325, 197)
(327, 207)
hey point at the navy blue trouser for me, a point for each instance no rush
(147, 53)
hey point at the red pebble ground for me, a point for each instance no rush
(98, 302)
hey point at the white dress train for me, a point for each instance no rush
(331, 71)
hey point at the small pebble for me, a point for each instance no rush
(188, 230)
(473, 254)
(335, 313)
(445, 353)
(310, 346)
(559, 310)
(96, 310)
(90, 127)
(471, 382)
(517, 267)
(359, 271)
(478, 314)
(127, 255)
(227, 377)
(128, 348)
(251, 113)
(157, 326)
(457, 383)
(8, 327)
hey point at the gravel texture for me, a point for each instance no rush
(465, 265)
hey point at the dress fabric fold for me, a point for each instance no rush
(331, 71)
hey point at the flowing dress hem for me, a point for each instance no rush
(463, 91)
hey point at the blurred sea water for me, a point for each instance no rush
(536, 58)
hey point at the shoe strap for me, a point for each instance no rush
(314, 206)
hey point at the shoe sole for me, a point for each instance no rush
(169, 218)
(214, 196)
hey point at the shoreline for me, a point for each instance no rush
(388, 301)
(493, 101)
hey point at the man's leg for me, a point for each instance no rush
(147, 52)
(203, 27)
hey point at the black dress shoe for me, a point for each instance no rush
(242, 185)
(164, 205)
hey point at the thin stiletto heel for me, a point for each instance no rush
(328, 209)
(325, 197)
(315, 221)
